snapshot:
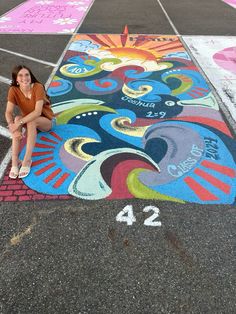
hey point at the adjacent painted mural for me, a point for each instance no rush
(135, 119)
(216, 56)
(231, 2)
(45, 16)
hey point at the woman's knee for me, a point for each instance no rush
(31, 124)
(44, 124)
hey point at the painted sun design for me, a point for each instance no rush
(129, 49)
(138, 47)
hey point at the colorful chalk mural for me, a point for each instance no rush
(46, 16)
(216, 56)
(232, 3)
(135, 119)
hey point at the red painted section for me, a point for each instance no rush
(49, 152)
(221, 126)
(41, 161)
(61, 180)
(6, 193)
(213, 180)
(10, 199)
(54, 84)
(42, 170)
(103, 85)
(126, 30)
(45, 139)
(56, 136)
(16, 191)
(52, 175)
(199, 190)
(43, 146)
(222, 169)
(119, 176)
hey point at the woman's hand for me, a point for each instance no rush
(14, 126)
(15, 129)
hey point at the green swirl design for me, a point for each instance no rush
(140, 190)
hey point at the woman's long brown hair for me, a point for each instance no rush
(15, 72)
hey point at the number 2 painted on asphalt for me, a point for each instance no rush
(127, 215)
(150, 220)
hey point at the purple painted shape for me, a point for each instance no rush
(179, 152)
(45, 16)
(231, 2)
(71, 162)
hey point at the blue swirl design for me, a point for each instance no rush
(157, 88)
(198, 87)
(59, 86)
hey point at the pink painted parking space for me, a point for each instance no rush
(55, 16)
(231, 2)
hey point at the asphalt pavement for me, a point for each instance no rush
(73, 256)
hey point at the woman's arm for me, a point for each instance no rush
(9, 113)
(29, 117)
(34, 114)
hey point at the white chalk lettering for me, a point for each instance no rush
(183, 167)
(138, 102)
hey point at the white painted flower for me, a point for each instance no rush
(44, 2)
(5, 19)
(75, 2)
(67, 30)
(64, 21)
(81, 8)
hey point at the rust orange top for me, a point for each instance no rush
(27, 105)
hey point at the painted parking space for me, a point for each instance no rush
(139, 255)
(232, 3)
(135, 110)
(216, 56)
(46, 16)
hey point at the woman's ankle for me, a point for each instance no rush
(15, 162)
(26, 161)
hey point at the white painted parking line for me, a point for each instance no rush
(82, 19)
(4, 132)
(28, 57)
(168, 18)
(5, 80)
(4, 163)
(58, 64)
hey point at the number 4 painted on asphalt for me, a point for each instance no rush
(127, 215)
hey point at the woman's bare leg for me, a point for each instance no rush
(16, 141)
(41, 123)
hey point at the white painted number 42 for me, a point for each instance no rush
(127, 215)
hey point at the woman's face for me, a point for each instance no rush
(23, 78)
